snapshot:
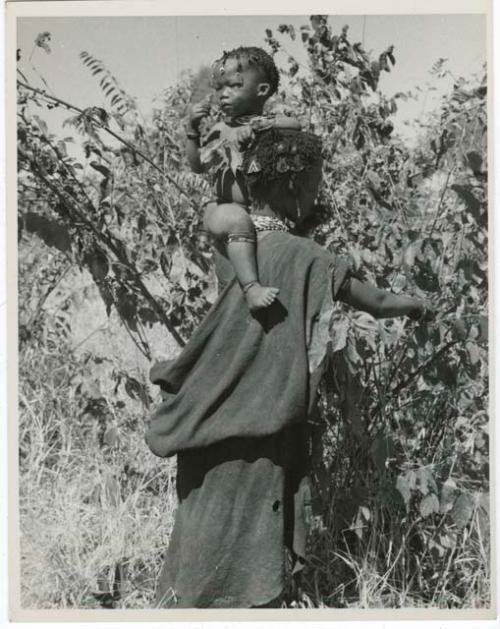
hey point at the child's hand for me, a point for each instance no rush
(244, 136)
(197, 112)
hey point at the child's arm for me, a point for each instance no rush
(196, 115)
(286, 122)
(382, 304)
(246, 133)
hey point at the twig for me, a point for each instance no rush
(108, 240)
(104, 127)
(412, 375)
(443, 192)
(46, 295)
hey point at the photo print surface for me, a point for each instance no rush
(252, 258)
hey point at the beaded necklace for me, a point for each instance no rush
(268, 223)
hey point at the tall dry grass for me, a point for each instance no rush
(96, 506)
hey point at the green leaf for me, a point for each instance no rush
(148, 316)
(339, 333)
(354, 360)
(110, 437)
(426, 278)
(448, 541)
(42, 124)
(467, 196)
(425, 481)
(136, 390)
(473, 352)
(412, 251)
(462, 510)
(483, 329)
(448, 493)
(412, 479)
(459, 329)
(422, 335)
(389, 496)
(355, 254)
(373, 180)
(365, 512)
(403, 487)
(97, 263)
(475, 161)
(428, 505)
(61, 146)
(365, 323)
(104, 170)
(447, 373)
(52, 233)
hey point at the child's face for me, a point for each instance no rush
(240, 88)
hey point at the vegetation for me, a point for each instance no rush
(115, 271)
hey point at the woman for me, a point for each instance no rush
(237, 398)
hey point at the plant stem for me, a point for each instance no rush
(422, 367)
(443, 192)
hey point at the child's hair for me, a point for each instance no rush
(256, 58)
(279, 156)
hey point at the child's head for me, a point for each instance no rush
(244, 79)
(283, 170)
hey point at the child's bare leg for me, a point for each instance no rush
(232, 221)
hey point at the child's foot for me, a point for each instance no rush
(259, 296)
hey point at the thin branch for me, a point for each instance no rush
(412, 375)
(443, 192)
(46, 295)
(108, 240)
(104, 127)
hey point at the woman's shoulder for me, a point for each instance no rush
(297, 246)
(300, 249)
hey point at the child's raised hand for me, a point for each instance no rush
(197, 112)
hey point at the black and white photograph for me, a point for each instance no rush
(253, 279)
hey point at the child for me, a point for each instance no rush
(244, 79)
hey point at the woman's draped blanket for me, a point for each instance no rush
(235, 406)
(251, 375)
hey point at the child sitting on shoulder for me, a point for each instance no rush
(244, 80)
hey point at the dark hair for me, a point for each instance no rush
(279, 156)
(256, 58)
